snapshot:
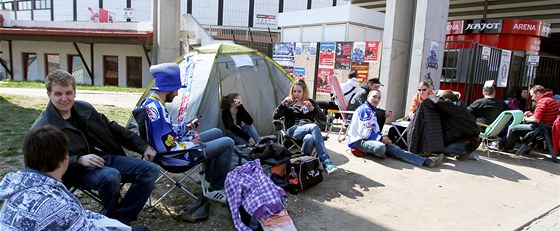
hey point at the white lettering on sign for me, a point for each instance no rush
(483, 26)
(522, 26)
(452, 27)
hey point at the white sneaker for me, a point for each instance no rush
(217, 195)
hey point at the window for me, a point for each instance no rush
(30, 69)
(77, 68)
(52, 63)
(42, 4)
(8, 5)
(134, 72)
(24, 5)
(111, 70)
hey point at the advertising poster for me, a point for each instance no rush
(343, 53)
(306, 48)
(432, 60)
(485, 53)
(503, 72)
(362, 71)
(358, 52)
(283, 54)
(372, 48)
(299, 73)
(323, 80)
(326, 55)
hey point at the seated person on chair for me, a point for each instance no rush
(165, 136)
(36, 199)
(487, 109)
(460, 131)
(299, 114)
(424, 91)
(97, 160)
(545, 113)
(365, 136)
(238, 122)
(362, 96)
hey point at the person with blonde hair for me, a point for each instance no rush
(238, 122)
(300, 113)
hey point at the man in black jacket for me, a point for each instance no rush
(97, 159)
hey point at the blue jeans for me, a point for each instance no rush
(219, 150)
(517, 133)
(455, 149)
(106, 181)
(379, 149)
(247, 128)
(312, 138)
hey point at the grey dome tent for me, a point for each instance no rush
(213, 71)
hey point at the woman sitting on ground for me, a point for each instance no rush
(238, 122)
(424, 90)
(300, 114)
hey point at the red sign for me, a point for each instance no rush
(499, 26)
(362, 71)
(372, 48)
(527, 27)
(454, 27)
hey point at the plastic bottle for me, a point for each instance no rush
(293, 180)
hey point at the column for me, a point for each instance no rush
(167, 28)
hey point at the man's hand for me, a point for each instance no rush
(385, 140)
(149, 153)
(91, 161)
(389, 113)
(195, 141)
(528, 114)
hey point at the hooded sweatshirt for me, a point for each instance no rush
(36, 201)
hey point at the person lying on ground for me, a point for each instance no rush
(165, 136)
(300, 113)
(366, 137)
(238, 122)
(36, 199)
(97, 159)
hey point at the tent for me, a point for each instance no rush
(213, 71)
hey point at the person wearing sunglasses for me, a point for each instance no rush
(424, 91)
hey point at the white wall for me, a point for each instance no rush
(236, 13)
(63, 10)
(65, 49)
(206, 11)
(294, 5)
(320, 4)
(142, 10)
(42, 15)
(312, 34)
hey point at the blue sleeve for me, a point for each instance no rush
(158, 128)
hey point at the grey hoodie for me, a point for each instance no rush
(36, 201)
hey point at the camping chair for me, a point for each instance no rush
(491, 132)
(185, 172)
(344, 114)
(290, 142)
(542, 132)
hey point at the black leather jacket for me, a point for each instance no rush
(108, 135)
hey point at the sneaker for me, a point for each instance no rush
(330, 168)
(494, 145)
(433, 161)
(358, 153)
(216, 195)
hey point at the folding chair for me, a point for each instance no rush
(291, 143)
(344, 114)
(542, 132)
(491, 132)
(140, 116)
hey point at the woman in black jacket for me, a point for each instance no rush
(238, 122)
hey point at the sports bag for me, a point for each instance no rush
(307, 172)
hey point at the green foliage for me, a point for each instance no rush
(41, 84)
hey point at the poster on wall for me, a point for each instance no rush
(372, 48)
(485, 53)
(432, 60)
(343, 53)
(358, 51)
(326, 55)
(283, 54)
(362, 71)
(323, 80)
(299, 73)
(306, 48)
(503, 72)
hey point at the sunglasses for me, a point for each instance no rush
(422, 89)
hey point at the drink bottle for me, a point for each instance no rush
(293, 180)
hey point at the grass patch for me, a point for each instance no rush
(19, 113)
(41, 84)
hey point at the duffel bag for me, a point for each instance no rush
(307, 173)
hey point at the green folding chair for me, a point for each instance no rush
(491, 133)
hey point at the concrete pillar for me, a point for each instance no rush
(397, 36)
(167, 31)
(428, 44)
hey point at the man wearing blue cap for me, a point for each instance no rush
(97, 159)
(165, 136)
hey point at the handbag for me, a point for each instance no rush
(307, 173)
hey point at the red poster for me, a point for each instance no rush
(323, 80)
(372, 47)
(362, 71)
(326, 55)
